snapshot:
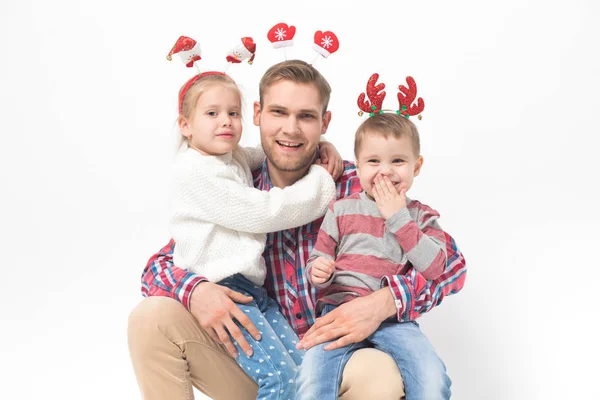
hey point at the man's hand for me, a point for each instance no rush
(214, 308)
(387, 198)
(351, 322)
(321, 270)
(330, 159)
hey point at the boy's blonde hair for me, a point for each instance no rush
(386, 125)
(297, 71)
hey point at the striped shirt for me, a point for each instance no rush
(366, 248)
(286, 254)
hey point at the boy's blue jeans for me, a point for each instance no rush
(275, 361)
(423, 372)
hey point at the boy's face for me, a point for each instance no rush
(291, 124)
(389, 157)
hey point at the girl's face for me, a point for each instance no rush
(215, 126)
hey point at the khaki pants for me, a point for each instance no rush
(171, 352)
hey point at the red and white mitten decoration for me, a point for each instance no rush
(326, 43)
(188, 49)
(281, 35)
(243, 51)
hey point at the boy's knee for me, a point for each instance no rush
(435, 382)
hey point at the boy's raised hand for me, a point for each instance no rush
(321, 270)
(388, 200)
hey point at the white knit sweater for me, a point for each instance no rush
(219, 221)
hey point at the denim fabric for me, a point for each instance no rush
(275, 361)
(423, 372)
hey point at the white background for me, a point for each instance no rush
(88, 105)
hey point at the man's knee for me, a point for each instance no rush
(152, 318)
(371, 374)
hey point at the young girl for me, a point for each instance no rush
(220, 220)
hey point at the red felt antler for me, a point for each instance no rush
(406, 97)
(375, 94)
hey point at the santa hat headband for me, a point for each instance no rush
(281, 36)
(407, 95)
(190, 53)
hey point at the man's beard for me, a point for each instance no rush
(288, 164)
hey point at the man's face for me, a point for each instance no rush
(291, 124)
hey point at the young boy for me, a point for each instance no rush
(367, 236)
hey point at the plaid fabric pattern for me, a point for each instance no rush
(286, 254)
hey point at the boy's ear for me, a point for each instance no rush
(418, 166)
(256, 116)
(184, 126)
(326, 121)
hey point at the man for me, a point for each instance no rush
(176, 335)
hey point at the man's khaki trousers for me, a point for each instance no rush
(171, 353)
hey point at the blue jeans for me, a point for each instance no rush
(423, 372)
(275, 361)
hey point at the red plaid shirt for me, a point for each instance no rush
(286, 254)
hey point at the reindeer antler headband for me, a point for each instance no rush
(376, 94)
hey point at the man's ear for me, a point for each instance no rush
(418, 166)
(326, 121)
(256, 116)
(184, 126)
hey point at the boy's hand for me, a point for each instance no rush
(388, 200)
(330, 159)
(321, 270)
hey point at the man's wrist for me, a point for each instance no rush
(387, 303)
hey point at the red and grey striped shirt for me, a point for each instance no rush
(368, 250)
(286, 254)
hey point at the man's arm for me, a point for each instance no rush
(414, 295)
(212, 305)
(162, 278)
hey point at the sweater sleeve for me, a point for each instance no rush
(220, 198)
(424, 242)
(254, 156)
(326, 245)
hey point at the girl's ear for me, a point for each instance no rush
(184, 126)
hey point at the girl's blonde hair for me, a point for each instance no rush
(193, 93)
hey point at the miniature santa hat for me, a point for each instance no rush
(246, 50)
(188, 49)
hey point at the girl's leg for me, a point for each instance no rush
(284, 332)
(423, 371)
(271, 366)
